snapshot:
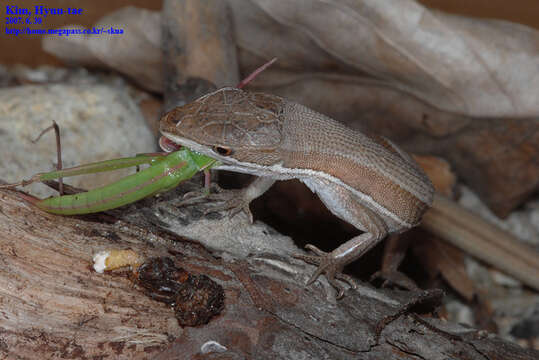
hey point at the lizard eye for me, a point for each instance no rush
(223, 151)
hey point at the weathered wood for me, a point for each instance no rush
(55, 306)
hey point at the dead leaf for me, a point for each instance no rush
(476, 67)
(135, 53)
(440, 257)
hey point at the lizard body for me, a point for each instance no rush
(366, 181)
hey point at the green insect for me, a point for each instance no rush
(165, 172)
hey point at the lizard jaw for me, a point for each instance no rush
(168, 145)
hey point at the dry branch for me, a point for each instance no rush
(54, 305)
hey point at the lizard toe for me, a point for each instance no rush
(192, 198)
(347, 279)
(238, 207)
(230, 200)
(315, 250)
(332, 274)
(309, 259)
(328, 266)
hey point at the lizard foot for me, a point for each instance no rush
(394, 278)
(232, 200)
(198, 196)
(329, 266)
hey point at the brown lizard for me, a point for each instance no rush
(368, 182)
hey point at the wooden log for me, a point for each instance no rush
(54, 305)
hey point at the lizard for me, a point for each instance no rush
(368, 181)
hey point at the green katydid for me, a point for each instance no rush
(165, 172)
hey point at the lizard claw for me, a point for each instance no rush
(192, 198)
(329, 266)
(234, 201)
(197, 196)
(238, 207)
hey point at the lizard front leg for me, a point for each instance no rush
(343, 204)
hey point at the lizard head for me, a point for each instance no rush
(229, 124)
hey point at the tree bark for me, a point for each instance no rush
(54, 305)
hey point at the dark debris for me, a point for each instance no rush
(195, 298)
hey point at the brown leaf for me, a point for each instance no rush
(135, 53)
(476, 67)
(439, 172)
(438, 256)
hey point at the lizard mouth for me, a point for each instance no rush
(170, 142)
(168, 145)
